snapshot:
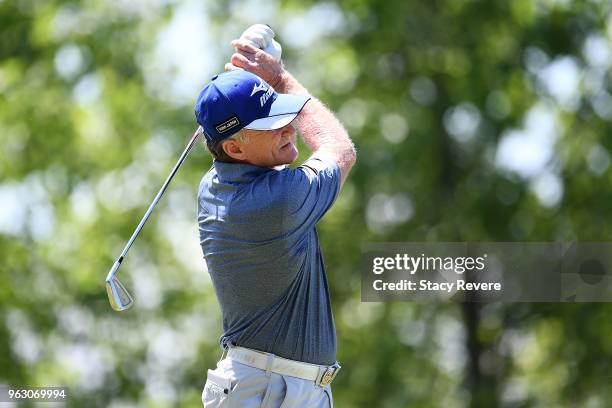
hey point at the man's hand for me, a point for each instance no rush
(255, 60)
(262, 37)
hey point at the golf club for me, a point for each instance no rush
(118, 296)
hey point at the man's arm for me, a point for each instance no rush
(321, 131)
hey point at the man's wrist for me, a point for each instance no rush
(280, 81)
(286, 83)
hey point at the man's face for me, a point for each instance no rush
(265, 148)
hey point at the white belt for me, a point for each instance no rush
(321, 375)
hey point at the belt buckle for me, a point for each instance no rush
(328, 375)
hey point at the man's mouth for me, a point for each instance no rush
(286, 145)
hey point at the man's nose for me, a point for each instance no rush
(288, 130)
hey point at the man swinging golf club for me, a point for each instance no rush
(257, 229)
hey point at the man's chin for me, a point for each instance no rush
(290, 158)
(293, 159)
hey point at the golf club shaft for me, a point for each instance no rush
(159, 195)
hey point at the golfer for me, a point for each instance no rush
(257, 224)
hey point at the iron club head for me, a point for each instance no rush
(118, 296)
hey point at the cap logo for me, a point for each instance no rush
(257, 88)
(227, 125)
(264, 98)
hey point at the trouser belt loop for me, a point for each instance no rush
(223, 353)
(269, 362)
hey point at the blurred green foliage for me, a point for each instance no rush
(474, 121)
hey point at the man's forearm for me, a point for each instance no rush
(284, 82)
(321, 130)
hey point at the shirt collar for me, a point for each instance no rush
(239, 172)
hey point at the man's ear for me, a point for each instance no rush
(234, 149)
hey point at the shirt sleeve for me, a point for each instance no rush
(312, 188)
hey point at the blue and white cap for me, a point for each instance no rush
(239, 99)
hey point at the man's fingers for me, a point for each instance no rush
(259, 57)
(240, 61)
(231, 67)
(244, 46)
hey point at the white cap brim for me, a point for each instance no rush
(284, 109)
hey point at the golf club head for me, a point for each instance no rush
(118, 296)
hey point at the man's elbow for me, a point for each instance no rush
(343, 152)
(350, 155)
(346, 161)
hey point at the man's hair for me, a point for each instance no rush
(216, 147)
